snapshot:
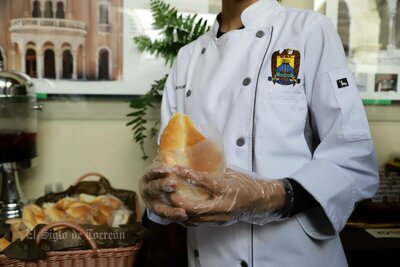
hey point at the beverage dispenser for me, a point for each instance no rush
(18, 123)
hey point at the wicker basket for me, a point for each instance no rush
(94, 257)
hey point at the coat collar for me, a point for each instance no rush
(257, 15)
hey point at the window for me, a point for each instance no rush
(36, 12)
(103, 14)
(49, 64)
(104, 65)
(60, 14)
(67, 63)
(48, 11)
(30, 63)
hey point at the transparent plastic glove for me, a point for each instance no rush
(206, 156)
(153, 187)
(236, 197)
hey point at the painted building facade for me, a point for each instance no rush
(62, 39)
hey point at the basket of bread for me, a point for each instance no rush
(89, 224)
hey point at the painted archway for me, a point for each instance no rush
(49, 64)
(31, 63)
(67, 64)
(104, 64)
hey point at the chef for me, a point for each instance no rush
(275, 82)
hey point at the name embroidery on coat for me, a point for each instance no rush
(285, 67)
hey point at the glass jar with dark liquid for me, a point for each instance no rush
(17, 129)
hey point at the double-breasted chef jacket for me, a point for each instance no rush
(286, 104)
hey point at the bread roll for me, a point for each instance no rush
(53, 214)
(32, 215)
(4, 243)
(79, 212)
(108, 200)
(16, 222)
(18, 229)
(102, 214)
(179, 134)
(182, 144)
(86, 198)
(63, 203)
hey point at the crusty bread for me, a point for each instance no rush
(86, 198)
(182, 144)
(102, 214)
(63, 203)
(32, 215)
(18, 229)
(53, 214)
(4, 243)
(79, 211)
(108, 200)
(180, 133)
(14, 222)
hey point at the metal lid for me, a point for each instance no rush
(14, 83)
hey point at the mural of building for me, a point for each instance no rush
(62, 39)
(370, 29)
(370, 32)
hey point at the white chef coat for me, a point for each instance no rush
(313, 129)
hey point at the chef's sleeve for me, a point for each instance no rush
(344, 168)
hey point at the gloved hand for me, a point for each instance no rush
(236, 197)
(153, 187)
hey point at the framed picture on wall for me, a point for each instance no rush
(83, 47)
(369, 30)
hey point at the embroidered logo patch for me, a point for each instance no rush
(285, 67)
(342, 83)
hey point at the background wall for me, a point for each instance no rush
(299, 3)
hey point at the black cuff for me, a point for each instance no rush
(302, 200)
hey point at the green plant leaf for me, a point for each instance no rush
(136, 113)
